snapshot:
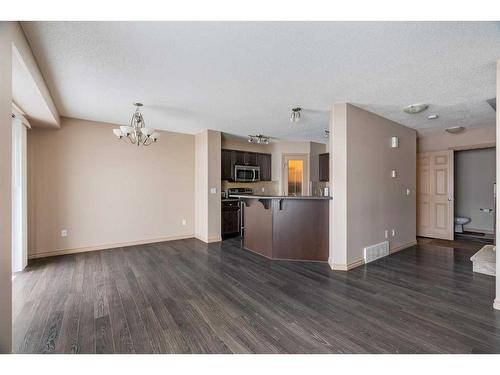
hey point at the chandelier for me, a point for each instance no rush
(259, 138)
(295, 115)
(137, 133)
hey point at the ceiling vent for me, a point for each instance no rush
(493, 103)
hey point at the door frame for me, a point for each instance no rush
(432, 232)
(284, 171)
(480, 146)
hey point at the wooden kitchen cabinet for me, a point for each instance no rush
(230, 158)
(264, 162)
(226, 165)
(230, 218)
(324, 167)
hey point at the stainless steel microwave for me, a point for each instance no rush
(246, 173)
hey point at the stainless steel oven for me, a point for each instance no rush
(246, 173)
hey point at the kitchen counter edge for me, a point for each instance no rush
(278, 197)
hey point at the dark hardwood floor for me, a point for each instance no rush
(189, 297)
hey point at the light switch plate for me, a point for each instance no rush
(64, 233)
(213, 190)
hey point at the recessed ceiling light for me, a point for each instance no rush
(433, 117)
(455, 129)
(415, 108)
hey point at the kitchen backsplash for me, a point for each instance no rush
(270, 187)
(273, 187)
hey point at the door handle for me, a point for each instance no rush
(450, 199)
(253, 170)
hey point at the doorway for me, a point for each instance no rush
(474, 181)
(295, 174)
(455, 194)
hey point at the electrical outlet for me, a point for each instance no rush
(408, 191)
(393, 232)
(183, 222)
(263, 190)
(213, 190)
(64, 233)
(386, 234)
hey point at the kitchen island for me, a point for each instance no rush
(286, 227)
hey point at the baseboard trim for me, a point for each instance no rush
(476, 230)
(402, 247)
(106, 246)
(496, 304)
(346, 267)
(360, 262)
(208, 239)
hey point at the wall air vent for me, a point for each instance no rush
(377, 251)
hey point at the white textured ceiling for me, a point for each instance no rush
(244, 77)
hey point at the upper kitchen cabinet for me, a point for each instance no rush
(237, 157)
(226, 165)
(264, 162)
(324, 166)
(250, 158)
(230, 158)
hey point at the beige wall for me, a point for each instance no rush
(445, 141)
(233, 143)
(374, 202)
(11, 37)
(106, 192)
(207, 177)
(5, 188)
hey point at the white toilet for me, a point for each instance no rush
(460, 222)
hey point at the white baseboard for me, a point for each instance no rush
(476, 230)
(402, 247)
(106, 246)
(208, 239)
(346, 267)
(496, 304)
(360, 262)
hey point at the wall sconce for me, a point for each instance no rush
(394, 174)
(394, 142)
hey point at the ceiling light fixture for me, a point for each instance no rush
(295, 116)
(415, 108)
(433, 117)
(137, 133)
(455, 129)
(259, 139)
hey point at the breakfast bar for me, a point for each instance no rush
(286, 227)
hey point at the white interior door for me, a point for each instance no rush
(435, 195)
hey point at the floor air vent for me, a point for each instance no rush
(376, 251)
